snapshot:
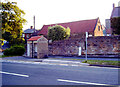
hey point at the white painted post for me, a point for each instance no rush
(35, 47)
(79, 53)
(28, 49)
(86, 45)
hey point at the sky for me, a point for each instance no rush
(61, 11)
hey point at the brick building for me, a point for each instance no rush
(78, 28)
(29, 32)
(115, 13)
(37, 46)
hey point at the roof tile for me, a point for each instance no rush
(76, 27)
(34, 38)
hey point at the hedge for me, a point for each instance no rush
(16, 50)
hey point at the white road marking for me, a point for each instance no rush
(82, 82)
(14, 74)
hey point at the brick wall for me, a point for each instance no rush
(96, 45)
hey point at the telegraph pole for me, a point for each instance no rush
(34, 24)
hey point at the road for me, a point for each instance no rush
(45, 74)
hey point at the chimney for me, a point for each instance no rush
(113, 5)
(119, 4)
(31, 27)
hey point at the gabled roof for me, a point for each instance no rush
(76, 27)
(34, 38)
(29, 31)
(115, 12)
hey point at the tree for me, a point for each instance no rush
(7, 36)
(115, 25)
(12, 22)
(58, 32)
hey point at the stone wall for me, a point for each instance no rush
(42, 47)
(104, 45)
(96, 45)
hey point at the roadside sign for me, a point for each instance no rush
(86, 45)
(79, 54)
(86, 34)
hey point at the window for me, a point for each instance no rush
(98, 28)
(23, 35)
(27, 35)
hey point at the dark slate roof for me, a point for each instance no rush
(76, 27)
(29, 31)
(115, 12)
(36, 33)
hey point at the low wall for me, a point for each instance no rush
(101, 45)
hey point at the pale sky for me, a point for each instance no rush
(61, 11)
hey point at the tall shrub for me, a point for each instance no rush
(16, 50)
(58, 32)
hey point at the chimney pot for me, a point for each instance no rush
(119, 4)
(113, 5)
(31, 27)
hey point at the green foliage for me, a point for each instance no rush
(12, 21)
(84, 61)
(7, 36)
(16, 50)
(58, 32)
(115, 25)
(103, 62)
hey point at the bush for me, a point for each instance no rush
(7, 51)
(58, 32)
(16, 50)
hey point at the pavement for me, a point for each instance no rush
(55, 61)
(21, 59)
(91, 56)
(107, 57)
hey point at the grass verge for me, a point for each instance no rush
(95, 62)
(2, 56)
(103, 62)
